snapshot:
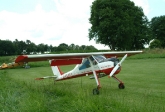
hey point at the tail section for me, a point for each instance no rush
(56, 71)
(45, 77)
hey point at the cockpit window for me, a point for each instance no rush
(100, 58)
(95, 59)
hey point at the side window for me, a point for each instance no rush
(86, 64)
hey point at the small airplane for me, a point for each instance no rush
(97, 63)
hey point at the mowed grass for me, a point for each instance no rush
(144, 90)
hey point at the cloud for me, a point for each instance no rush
(144, 4)
(68, 24)
(23, 26)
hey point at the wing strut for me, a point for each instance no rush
(95, 90)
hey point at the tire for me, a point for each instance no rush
(95, 91)
(121, 86)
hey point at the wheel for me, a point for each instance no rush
(121, 86)
(95, 91)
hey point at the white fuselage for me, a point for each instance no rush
(104, 67)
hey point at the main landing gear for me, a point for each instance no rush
(96, 91)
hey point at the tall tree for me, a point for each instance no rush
(158, 29)
(62, 47)
(22, 46)
(72, 46)
(83, 47)
(6, 47)
(50, 48)
(40, 48)
(155, 44)
(16, 47)
(119, 24)
(92, 48)
(28, 42)
(19, 46)
(31, 48)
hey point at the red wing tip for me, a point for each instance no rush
(39, 78)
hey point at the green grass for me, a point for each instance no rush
(7, 59)
(144, 92)
(150, 53)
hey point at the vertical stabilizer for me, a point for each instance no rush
(56, 70)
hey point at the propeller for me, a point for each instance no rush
(117, 66)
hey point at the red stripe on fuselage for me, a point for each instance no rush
(106, 71)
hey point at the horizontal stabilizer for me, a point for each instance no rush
(46, 77)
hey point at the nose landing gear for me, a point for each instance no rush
(121, 86)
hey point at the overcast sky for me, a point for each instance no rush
(54, 22)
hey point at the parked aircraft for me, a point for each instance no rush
(98, 64)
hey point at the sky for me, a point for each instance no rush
(54, 22)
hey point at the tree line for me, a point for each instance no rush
(17, 47)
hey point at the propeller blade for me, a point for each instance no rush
(117, 66)
(123, 59)
(114, 69)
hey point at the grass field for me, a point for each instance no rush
(144, 90)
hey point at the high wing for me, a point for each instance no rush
(70, 58)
